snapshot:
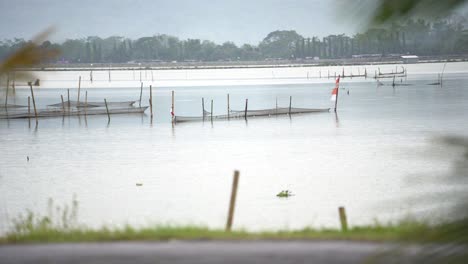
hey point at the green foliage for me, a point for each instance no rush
(396, 10)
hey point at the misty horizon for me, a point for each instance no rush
(240, 22)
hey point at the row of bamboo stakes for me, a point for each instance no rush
(232, 205)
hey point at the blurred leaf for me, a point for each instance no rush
(392, 10)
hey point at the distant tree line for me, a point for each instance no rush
(418, 37)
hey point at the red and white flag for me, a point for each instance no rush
(335, 90)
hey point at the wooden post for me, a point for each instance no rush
(343, 220)
(107, 110)
(86, 103)
(91, 76)
(203, 107)
(328, 74)
(34, 101)
(337, 92)
(290, 102)
(151, 101)
(211, 109)
(109, 75)
(228, 107)
(141, 92)
(79, 88)
(173, 110)
(343, 73)
(232, 202)
(151, 109)
(7, 86)
(29, 107)
(68, 98)
(245, 112)
(63, 104)
(276, 105)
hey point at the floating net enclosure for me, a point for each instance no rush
(236, 114)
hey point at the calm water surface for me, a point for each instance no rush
(374, 157)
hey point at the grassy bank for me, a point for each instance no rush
(61, 225)
(407, 231)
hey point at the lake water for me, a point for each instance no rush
(376, 157)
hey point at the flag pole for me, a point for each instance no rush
(337, 91)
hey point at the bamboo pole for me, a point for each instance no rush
(245, 112)
(109, 74)
(29, 107)
(151, 101)
(141, 93)
(232, 202)
(107, 110)
(68, 98)
(63, 104)
(86, 103)
(173, 110)
(7, 86)
(203, 107)
(276, 105)
(343, 219)
(290, 102)
(212, 110)
(151, 109)
(79, 88)
(228, 107)
(33, 101)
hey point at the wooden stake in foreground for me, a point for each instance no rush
(34, 101)
(343, 220)
(107, 109)
(232, 202)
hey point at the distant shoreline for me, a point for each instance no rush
(236, 64)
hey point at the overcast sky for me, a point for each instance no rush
(241, 21)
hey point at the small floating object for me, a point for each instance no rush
(139, 184)
(284, 193)
(27, 157)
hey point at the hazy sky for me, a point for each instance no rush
(241, 21)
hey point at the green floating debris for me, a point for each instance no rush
(284, 193)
